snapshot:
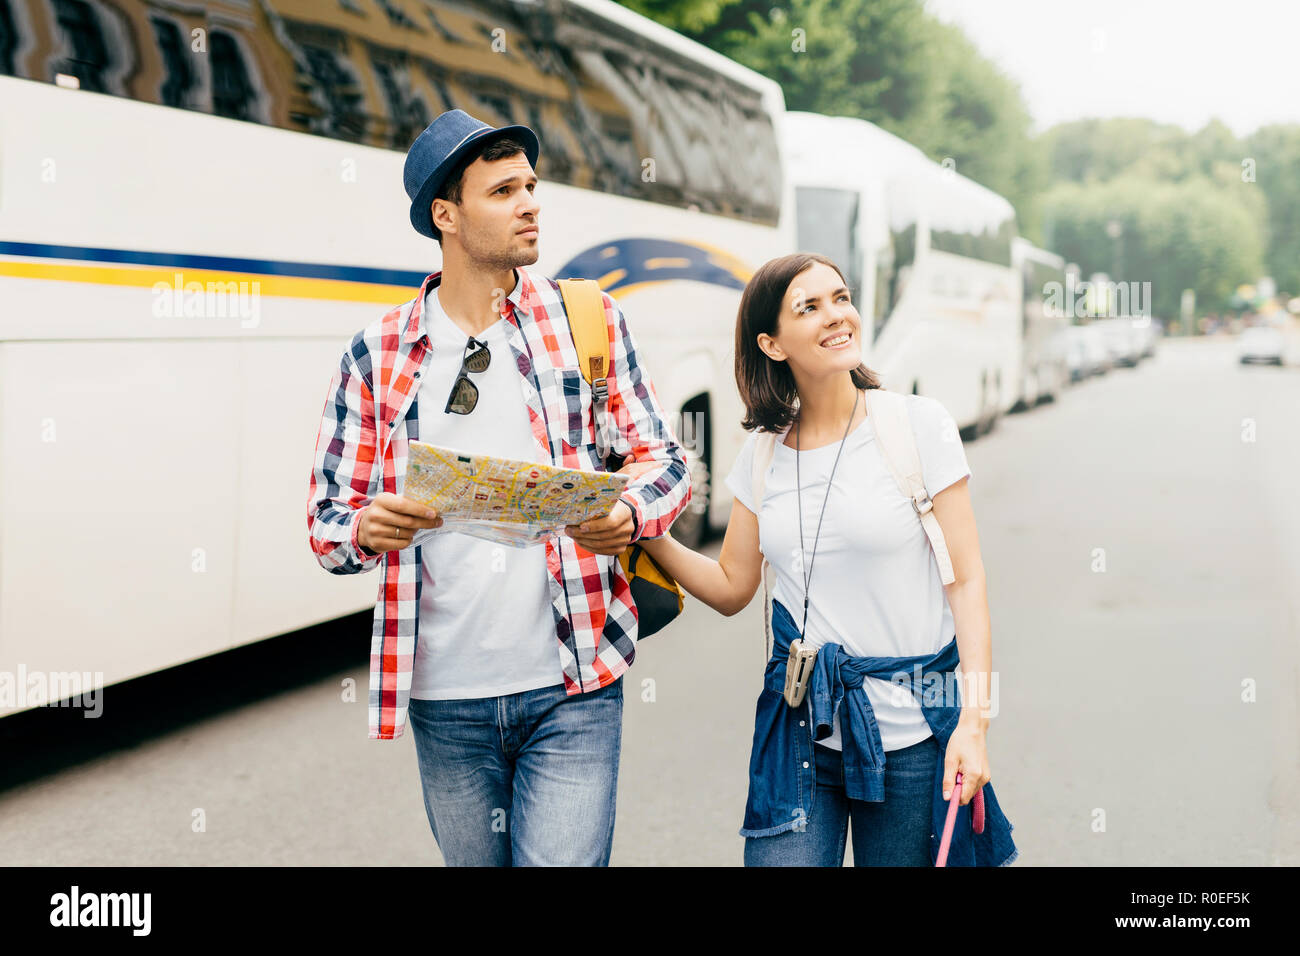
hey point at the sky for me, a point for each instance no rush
(1175, 61)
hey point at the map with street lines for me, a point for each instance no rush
(506, 500)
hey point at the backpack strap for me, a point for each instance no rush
(893, 430)
(585, 309)
(764, 449)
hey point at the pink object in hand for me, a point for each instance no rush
(977, 818)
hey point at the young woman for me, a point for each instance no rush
(854, 578)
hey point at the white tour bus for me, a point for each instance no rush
(1044, 364)
(928, 259)
(157, 443)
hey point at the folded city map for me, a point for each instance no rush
(512, 502)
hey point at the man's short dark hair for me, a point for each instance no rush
(498, 148)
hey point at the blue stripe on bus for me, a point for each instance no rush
(272, 267)
(635, 261)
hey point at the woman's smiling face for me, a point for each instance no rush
(818, 331)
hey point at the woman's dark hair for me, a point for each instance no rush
(767, 387)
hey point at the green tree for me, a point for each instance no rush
(1176, 235)
(984, 126)
(684, 16)
(1275, 155)
(1097, 150)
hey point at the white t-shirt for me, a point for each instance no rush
(486, 623)
(875, 587)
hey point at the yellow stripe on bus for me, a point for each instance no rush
(295, 287)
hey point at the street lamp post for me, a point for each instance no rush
(1115, 229)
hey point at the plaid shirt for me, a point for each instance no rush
(371, 414)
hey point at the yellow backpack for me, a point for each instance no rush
(659, 598)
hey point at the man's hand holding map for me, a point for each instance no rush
(512, 502)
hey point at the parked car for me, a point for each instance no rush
(1076, 353)
(1151, 331)
(1086, 352)
(1260, 343)
(1094, 340)
(1123, 338)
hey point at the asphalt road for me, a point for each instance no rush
(1123, 737)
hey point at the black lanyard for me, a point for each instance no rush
(807, 577)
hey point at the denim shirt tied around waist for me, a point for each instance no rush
(782, 766)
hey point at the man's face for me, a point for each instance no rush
(496, 221)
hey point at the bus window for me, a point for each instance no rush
(894, 269)
(976, 233)
(326, 69)
(827, 221)
(1029, 293)
(616, 111)
(8, 39)
(1041, 285)
(87, 58)
(180, 86)
(884, 274)
(233, 94)
(659, 125)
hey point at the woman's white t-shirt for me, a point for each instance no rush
(875, 587)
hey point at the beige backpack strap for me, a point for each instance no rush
(764, 449)
(585, 310)
(893, 430)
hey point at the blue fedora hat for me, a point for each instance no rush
(436, 151)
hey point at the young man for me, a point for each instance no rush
(509, 660)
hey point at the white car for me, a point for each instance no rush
(1076, 353)
(1085, 351)
(1261, 343)
(1123, 339)
(1149, 333)
(1099, 359)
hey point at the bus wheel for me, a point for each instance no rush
(691, 526)
(1033, 393)
(1060, 379)
(995, 406)
(984, 422)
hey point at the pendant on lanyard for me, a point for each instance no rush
(799, 665)
(798, 671)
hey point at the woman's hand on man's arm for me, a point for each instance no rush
(726, 585)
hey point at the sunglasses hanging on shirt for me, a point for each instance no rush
(464, 393)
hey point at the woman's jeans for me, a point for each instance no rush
(526, 779)
(893, 833)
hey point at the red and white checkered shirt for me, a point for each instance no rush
(371, 414)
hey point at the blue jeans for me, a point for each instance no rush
(895, 832)
(525, 779)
